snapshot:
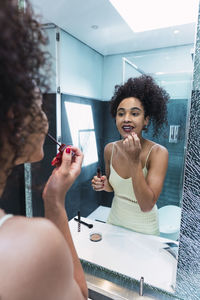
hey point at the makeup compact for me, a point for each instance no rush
(95, 237)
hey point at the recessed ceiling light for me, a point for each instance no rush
(176, 31)
(159, 73)
(147, 15)
(94, 26)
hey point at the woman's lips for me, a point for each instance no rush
(127, 128)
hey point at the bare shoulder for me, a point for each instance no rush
(108, 150)
(33, 253)
(34, 230)
(159, 149)
(158, 157)
(108, 147)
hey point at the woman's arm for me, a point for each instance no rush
(147, 190)
(54, 204)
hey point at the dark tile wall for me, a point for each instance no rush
(13, 198)
(172, 189)
(111, 134)
(42, 170)
(81, 196)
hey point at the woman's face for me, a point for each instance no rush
(130, 117)
(33, 149)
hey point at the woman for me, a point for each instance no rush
(135, 166)
(37, 256)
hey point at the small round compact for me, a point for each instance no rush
(95, 237)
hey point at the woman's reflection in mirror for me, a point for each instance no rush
(135, 166)
(37, 255)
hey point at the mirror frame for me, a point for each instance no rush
(188, 269)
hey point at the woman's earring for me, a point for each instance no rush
(145, 128)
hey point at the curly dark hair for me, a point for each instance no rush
(24, 69)
(153, 98)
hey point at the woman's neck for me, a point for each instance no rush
(143, 142)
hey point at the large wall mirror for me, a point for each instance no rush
(93, 48)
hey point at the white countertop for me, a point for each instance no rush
(129, 253)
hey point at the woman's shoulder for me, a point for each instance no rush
(108, 148)
(160, 149)
(35, 248)
(155, 147)
(27, 229)
(155, 153)
(27, 234)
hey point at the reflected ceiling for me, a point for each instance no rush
(98, 24)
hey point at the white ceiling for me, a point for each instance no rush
(113, 34)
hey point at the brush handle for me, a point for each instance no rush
(53, 139)
(84, 223)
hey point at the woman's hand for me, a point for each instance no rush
(132, 147)
(101, 184)
(63, 176)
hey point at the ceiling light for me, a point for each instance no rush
(147, 15)
(176, 31)
(94, 26)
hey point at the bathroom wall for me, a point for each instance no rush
(172, 67)
(81, 68)
(13, 198)
(42, 170)
(50, 33)
(76, 68)
(172, 189)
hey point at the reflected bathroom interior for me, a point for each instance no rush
(86, 83)
(93, 128)
(100, 127)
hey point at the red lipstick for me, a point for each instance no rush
(58, 159)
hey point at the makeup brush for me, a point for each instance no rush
(84, 223)
(52, 138)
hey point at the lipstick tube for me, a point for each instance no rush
(98, 172)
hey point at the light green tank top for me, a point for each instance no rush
(125, 210)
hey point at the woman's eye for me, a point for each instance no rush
(120, 114)
(135, 114)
